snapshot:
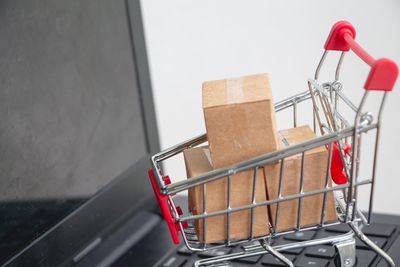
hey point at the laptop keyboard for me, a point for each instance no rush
(322, 255)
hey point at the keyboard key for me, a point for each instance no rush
(323, 233)
(215, 252)
(256, 242)
(185, 251)
(295, 251)
(364, 258)
(174, 262)
(300, 236)
(382, 230)
(311, 262)
(378, 230)
(380, 241)
(327, 252)
(230, 264)
(270, 260)
(393, 252)
(252, 259)
(339, 228)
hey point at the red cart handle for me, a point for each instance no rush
(384, 71)
(165, 209)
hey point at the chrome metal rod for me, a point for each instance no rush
(253, 201)
(374, 168)
(327, 176)
(347, 101)
(321, 62)
(317, 118)
(371, 244)
(288, 102)
(204, 213)
(196, 246)
(313, 242)
(261, 160)
(261, 251)
(228, 228)
(339, 66)
(274, 201)
(301, 191)
(342, 119)
(354, 159)
(276, 223)
(174, 150)
(276, 254)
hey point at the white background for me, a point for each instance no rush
(190, 42)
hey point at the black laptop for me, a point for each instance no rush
(77, 129)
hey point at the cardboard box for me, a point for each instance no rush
(315, 168)
(197, 161)
(240, 119)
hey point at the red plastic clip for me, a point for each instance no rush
(180, 213)
(162, 201)
(167, 180)
(337, 168)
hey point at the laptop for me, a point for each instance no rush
(78, 128)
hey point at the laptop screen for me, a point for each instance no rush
(70, 111)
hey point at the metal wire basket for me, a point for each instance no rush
(343, 142)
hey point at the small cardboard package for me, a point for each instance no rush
(197, 161)
(315, 168)
(240, 119)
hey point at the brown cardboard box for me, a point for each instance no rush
(315, 168)
(240, 119)
(197, 161)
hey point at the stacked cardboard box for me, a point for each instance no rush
(240, 122)
(240, 119)
(314, 178)
(214, 229)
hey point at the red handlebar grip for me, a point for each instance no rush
(383, 73)
(335, 39)
(162, 201)
(382, 76)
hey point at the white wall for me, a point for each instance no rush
(193, 41)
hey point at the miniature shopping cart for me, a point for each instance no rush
(341, 139)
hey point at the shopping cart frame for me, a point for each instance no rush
(341, 38)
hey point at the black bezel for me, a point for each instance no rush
(121, 196)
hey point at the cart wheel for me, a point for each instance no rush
(347, 253)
